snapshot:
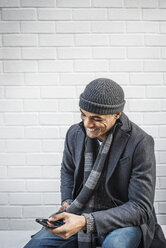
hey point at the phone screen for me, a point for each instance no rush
(54, 224)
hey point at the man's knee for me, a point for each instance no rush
(128, 237)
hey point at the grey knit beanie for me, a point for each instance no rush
(102, 96)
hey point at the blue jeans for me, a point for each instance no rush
(128, 237)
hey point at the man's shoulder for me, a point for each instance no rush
(74, 130)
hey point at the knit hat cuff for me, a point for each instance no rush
(101, 109)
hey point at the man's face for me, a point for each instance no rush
(97, 126)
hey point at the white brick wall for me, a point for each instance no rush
(49, 50)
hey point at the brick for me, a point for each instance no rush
(68, 105)
(25, 198)
(23, 146)
(3, 146)
(41, 78)
(11, 132)
(152, 130)
(161, 219)
(58, 92)
(152, 65)
(73, 3)
(155, 40)
(21, 119)
(76, 78)
(37, 27)
(162, 207)
(162, 181)
(163, 27)
(3, 172)
(0, 66)
(160, 144)
(126, 65)
(73, 27)
(142, 27)
(141, 3)
(10, 53)
(42, 185)
(155, 118)
(43, 159)
(38, 211)
(22, 92)
(51, 198)
(160, 195)
(161, 170)
(162, 3)
(51, 172)
(112, 53)
(24, 172)
(120, 78)
(91, 40)
(56, 66)
(126, 40)
(3, 198)
(9, 3)
(15, 212)
(10, 105)
(54, 14)
(162, 157)
(13, 159)
(16, 225)
(124, 14)
(163, 105)
(162, 131)
(134, 92)
(108, 27)
(12, 185)
(40, 105)
(56, 40)
(37, 3)
(11, 79)
(136, 118)
(41, 132)
(156, 92)
(90, 14)
(91, 65)
(39, 53)
(74, 53)
(163, 53)
(12, 27)
(63, 131)
(144, 105)
(107, 3)
(20, 66)
(143, 53)
(154, 14)
(20, 40)
(18, 14)
(146, 78)
(56, 119)
(4, 225)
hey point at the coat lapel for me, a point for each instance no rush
(120, 140)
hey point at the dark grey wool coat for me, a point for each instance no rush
(130, 180)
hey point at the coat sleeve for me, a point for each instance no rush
(67, 169)
(138, 209)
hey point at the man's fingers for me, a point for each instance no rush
(57, 217)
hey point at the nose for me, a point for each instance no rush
(88, 123)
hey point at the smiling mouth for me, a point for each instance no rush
(91, 130)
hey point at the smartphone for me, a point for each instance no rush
(54, 224)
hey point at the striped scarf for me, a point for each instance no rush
(85, 201)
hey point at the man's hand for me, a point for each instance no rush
(73, 224)
(64, 206)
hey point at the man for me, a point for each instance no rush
(107, 179)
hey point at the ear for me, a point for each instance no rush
(117, 116)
